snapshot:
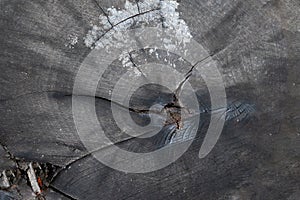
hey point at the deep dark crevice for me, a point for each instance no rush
(145, 111)
(190, 73)
(136, 15)
(200, 61)
(137, 67)
(61, 193)
(187, 76)
(138, 6)
(102, 10)
(162, 19)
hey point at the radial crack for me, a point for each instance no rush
(120, 105)
(122, 21)
(106, 15)
(61, 192)
(137, 67)
(186, 78)
(162, 19)
(138, 6)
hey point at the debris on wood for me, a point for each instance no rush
(33, 180)
(4, 183)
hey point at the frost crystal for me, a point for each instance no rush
(171, 20)
(154, 12)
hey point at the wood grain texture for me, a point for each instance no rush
(256, 45)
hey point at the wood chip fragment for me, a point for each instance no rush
(33, 180)
(4, 180)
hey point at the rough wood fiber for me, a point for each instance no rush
(256, 44)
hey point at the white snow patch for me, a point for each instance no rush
(151, 11)
(172, 21)
(92, 36)
(72, 41)
(148, 5)
(158, 13)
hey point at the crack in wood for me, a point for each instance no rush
(106, 15)
(137, 67)
(122, 21)
(62, 193)
(138, 6)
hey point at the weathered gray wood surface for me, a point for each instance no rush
(256, 44)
